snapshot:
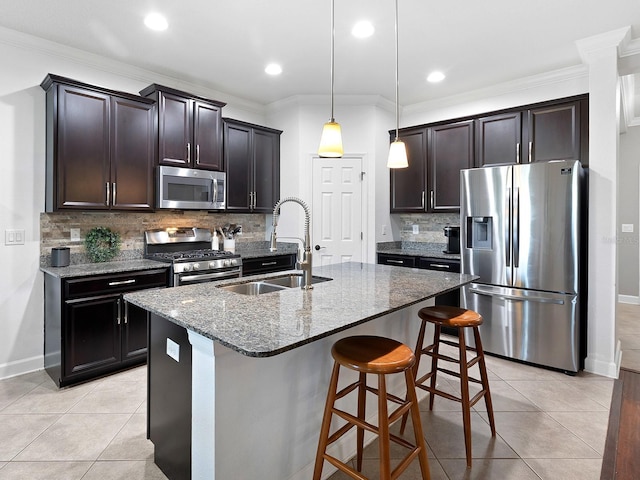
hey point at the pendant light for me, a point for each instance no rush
(397, 149)
(331, 139)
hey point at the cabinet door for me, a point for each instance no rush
(238, 160)
(133, 154)
(266, 171)
(408, 185)
(207, 136)
(450, 150)
(134, 332)
(91, 335)
(82, 169)
(499, 139)
(553, 133)
(174, 130)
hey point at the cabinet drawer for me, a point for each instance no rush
(116, 283)
(443, 264)
(396, 260)
(269, 264)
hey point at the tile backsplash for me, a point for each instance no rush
(55, 228)
(430, 226)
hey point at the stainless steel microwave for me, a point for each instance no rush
(190, 189)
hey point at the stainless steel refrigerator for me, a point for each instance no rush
(521, 230)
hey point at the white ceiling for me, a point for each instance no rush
(225, 45)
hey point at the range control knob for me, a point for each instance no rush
(212, 264)
(234, 261)
(227, 262)
(186, 268)
(196, 266)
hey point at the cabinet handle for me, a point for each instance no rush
(119, 310)
(399, 262)
(266, 264)
(255, 200)
(423, 199)
(108, 193)
(530, 149)
(126, 313)
(188, 152)
(518, 152)
(113, 187)
(431, 199)
(198, 154)
(122, 282)
(439, 265)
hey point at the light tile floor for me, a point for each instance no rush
(550, 426)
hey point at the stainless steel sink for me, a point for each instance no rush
(270, 285)
(252, 288)
(293, 280)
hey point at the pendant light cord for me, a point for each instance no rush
(397, 81)
(333, 32)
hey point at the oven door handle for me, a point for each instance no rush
(210, 276)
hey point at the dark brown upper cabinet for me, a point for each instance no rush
(100, 148)
(252, 158)
(557, 130)
(436, 154)
(189, 128)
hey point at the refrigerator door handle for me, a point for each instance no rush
(516, 228)
(517, 298)
(507, 229)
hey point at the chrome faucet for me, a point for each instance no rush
(305, 263)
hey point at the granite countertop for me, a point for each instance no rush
(261, 249)
(416, 249)
(272, 323)
(85, 269)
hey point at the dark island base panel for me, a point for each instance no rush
(169, 397)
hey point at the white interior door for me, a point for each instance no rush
(337, 210)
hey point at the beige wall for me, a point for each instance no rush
(629, 212)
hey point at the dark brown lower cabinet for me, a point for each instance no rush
(90, 330)
(268, 264)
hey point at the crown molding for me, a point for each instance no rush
(298, 101)
(104, 64)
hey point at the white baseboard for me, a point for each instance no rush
(20, 367)
(633, 300)
(606, 369)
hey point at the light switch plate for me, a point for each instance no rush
(14, 237)
(627, 228)
(75, 234)
(416, 229)
(173, 350)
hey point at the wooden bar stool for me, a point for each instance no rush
(458, 318)
(379, 356)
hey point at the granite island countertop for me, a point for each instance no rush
(272, 323)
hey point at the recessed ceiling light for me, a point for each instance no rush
(362, 29)
(273, 69)
(156, 21)
(435, 77)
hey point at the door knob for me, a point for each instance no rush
(318, 247)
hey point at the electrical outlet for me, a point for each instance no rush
(173, 350)
(415, 229)
(384, 229)
(627, 228)
(14, 237)
(75, 234)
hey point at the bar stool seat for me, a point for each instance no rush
(378, 356)
(460, 319)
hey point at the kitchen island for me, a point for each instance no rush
(260, 365)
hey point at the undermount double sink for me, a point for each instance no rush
(269, 285)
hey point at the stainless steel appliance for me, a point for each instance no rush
(189, 252)
(190, 189)
(521, 233)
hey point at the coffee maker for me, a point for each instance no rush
(453, 239)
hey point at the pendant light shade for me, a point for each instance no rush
(331, 139)
(397, 149)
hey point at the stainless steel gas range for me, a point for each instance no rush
(189, 252)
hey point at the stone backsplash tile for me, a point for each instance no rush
(55, 228)
(430, 226)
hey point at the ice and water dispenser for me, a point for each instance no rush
(479, 232)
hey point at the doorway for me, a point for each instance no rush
(337, 209)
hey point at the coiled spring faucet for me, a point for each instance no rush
(303, 263)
